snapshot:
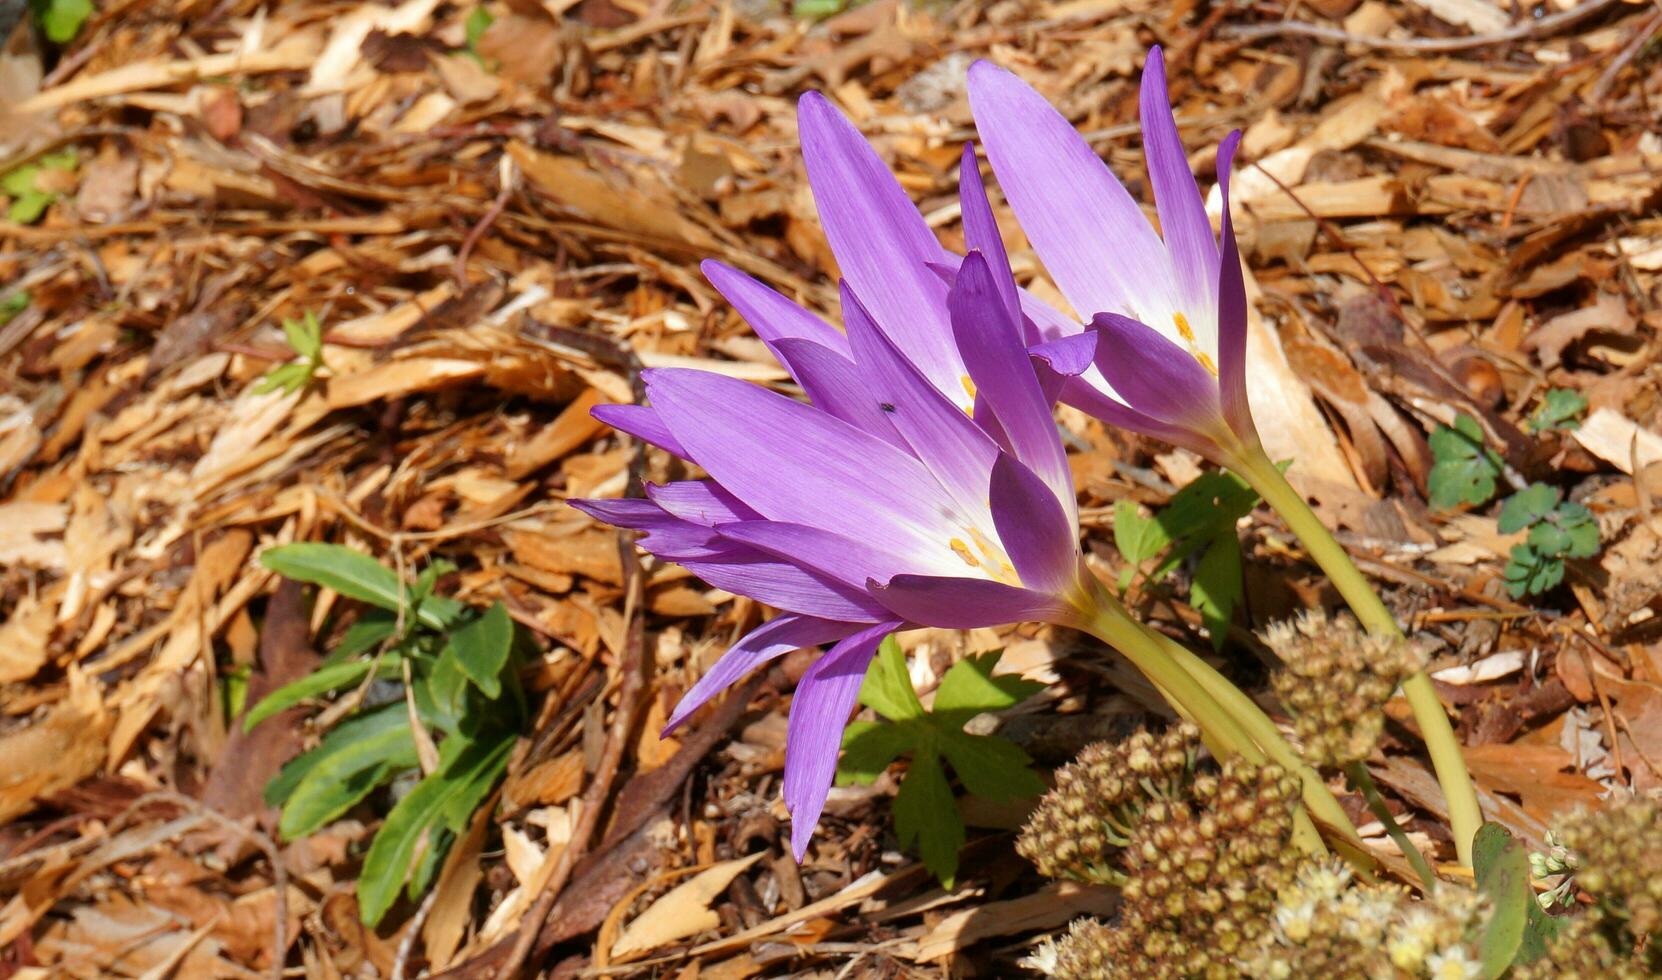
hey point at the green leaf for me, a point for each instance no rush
(442, 801)
(372, 629)
(1583, 540)
(1539, 933)
(926, 817)
(1501, 865)
(355, 575)
(288, 378)
(305, 336)
(326, 678)
(991, 767)
(349, 763)
(1560, 408)
(1465, 469)
(482, 648)
(1527, 506)
(12, 304)
(869, 747)
(1212, 502)
(887, 688)
(1138, 538)
(28, 207)
(61, 20)
(478, 22)
(1548, 538)
(970, 688)
(1218, 585)
(1529, 572)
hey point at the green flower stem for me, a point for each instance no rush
(1363, 781)
(1465, 815)
(1258, 726)
(1110, 622)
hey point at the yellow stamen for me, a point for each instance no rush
(962, 550)
(1183, 329)
(969, 387)
(1188, 334)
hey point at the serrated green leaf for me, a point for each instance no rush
(887, 687)
(482, 648)
(1547, 538)
(1531, 504)
(1501, 865)
(926, 817)
(1212, 501)
(355, 575)
(1529, 572)
(971, 688)
(1138, 538)
(327, 678)
(1559, 409)
(348, 768)
(1583, 540)
(1465, 469)
(441, 801)
(1218, 586)
(991, 767)
(869, 747)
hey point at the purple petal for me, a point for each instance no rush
(968, 603)
(1093, 238)
(791, 462)
(737, 567)
(814, 733)
(1232, 311)
(699, 501)
(847, 559)
(667, 536)
(1041, 539)
(1183, 223)
(940, 433)
(981, 235)
(640, 421)
(782, 584)
(990, 341)
(882, 244)
(1090, 398)
(778, 636)
(833, 382)
(1153, 375)
(773, 316)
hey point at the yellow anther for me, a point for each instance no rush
(1183, 329)
(1188, 334)
(962, 550)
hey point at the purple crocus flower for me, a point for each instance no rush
(1168, 355)
(883, 505)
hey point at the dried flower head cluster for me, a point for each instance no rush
(1202, 872)
(1080, 826)
(1616, 856)
(1335, 680)
(1325, 924)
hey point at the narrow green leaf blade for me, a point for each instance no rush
(411, 827)
(1218, 585)
(339, 775)
(482, 648)
(317, 682)
(353, 574)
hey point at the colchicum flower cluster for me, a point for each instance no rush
(923, 482)
(1335, 679)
